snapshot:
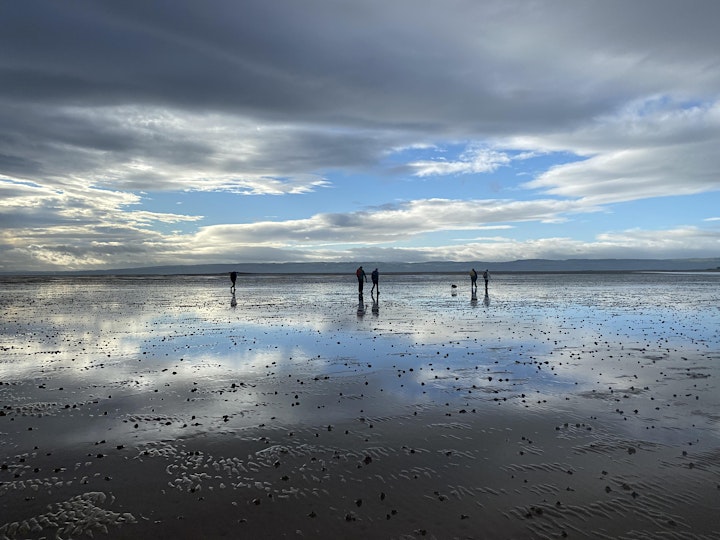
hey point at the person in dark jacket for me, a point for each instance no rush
(362, 278)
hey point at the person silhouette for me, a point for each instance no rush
(362, 278)
(375, 277)
(233, 278)
(486, 277)
(473, 279)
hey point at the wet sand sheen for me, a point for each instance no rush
(581, 406)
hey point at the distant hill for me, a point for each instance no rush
(526, 265)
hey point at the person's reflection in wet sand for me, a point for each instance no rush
(473, 297)
(486, 300)
(376, 305)
(233, 301)
(361, 306)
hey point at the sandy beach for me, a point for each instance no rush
(555, 406)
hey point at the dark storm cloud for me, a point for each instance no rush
(46, 142)
(401, 71)
(368, 63)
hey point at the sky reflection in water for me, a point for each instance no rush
(533, 340)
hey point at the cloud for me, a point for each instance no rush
(80, 232)
(682, 242)
(104, 103)
(652, 149)
(259, 100)
(389, 224)
(687, 242)
(371, 235)
(143, 149)
(417, 66)
(473, 160)
(75, 227)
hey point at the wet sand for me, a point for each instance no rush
(557, 407)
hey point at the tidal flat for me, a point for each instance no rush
(554, 406)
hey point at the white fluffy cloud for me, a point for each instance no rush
(473, 160)
(652, 149)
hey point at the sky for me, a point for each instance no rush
(140, 133)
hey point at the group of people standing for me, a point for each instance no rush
(474, 276)
(362, 279)
(375, 276)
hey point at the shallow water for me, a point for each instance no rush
(541, 334)
(98, 363)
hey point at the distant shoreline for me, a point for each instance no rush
(93, 275)
(521, 266)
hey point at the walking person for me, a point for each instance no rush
(362, 278)
(233, 278)
(375, 276)
(473, 280)
(486, 277)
